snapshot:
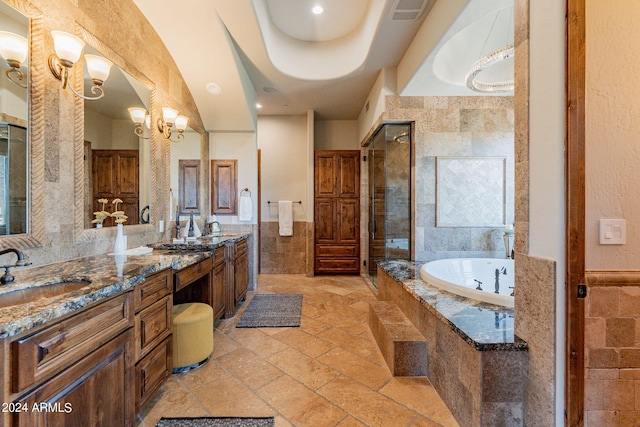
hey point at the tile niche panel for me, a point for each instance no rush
(470, 191)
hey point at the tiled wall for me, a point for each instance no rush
(283, 254)
(461, 127)
(612, 351)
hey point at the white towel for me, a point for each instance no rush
(285, 217)
(246, 208)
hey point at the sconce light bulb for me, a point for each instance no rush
(68, 47)
(169, 115)
(98, 68)
(137, 115)
(13, 48)
(181, 123)
(147, 121)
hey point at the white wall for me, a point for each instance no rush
(336, 135)
(239, 146)
(375, 104)
(105, 133)
(284, 142)
(546, 151)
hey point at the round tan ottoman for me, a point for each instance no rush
(192, 335)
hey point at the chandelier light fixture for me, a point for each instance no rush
(486, 61)
(14, 49)
(169, 118)
(68, 51)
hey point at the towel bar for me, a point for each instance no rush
(298, 202)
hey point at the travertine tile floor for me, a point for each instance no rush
(328, 372)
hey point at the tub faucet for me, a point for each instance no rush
(498, 280)
(8, 278)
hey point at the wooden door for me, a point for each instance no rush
(337, 212)
(115, 174)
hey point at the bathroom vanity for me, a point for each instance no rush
(88, 342)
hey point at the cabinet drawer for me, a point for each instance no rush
(332, 265)
(241, 247)
(191, 273)
(152, 289)
(52, 349)
(153, 324)
(152, 371)
(337, 250)
(219, 256)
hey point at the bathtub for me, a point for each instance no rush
(461, 276)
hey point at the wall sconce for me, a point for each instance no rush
(68, 50)
(169, 118)
(14, 49)
(139, 116)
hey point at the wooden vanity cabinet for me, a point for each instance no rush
(79, 367)
(218, 282)
(237, 275)
(153, 327)
(241, 270)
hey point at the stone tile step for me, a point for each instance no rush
(403, 347)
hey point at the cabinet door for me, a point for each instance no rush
(348, 184)
(326, 173)
(348, 223)
(218, 281)
(95, 391)
(224, 187)
(241, 276)
(325, 221)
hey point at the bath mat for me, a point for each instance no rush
(272, 311)
(216, 422)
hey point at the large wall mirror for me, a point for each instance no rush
(117, 160)
(14, 144)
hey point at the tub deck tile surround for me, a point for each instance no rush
(474, 360)
(401, 344)
(482, 325)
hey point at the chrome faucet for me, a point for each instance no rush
(21, 262)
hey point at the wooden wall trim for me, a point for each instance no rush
(603, 278)
(575, 212)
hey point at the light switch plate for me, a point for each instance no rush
(613, 231)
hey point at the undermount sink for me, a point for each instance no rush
(35, 293)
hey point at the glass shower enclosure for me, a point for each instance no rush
(13, 179)
(389, 176)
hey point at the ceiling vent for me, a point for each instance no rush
(409, 10)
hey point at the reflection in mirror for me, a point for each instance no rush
(14, 148)
(185, 175)
(117, 159)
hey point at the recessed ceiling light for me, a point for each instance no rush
(213, 88)
(258, 105)
(317, 9)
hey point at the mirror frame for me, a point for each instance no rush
(35, 131)
(84, 234)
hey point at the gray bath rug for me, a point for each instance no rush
(272, 311)
(216, 422)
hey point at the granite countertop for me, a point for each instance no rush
(204, 243)
(104, 276)
(484, 326)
